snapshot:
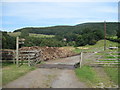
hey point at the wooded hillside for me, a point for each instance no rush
(111, 28)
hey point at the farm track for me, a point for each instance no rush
(58, 78)
(49, 78)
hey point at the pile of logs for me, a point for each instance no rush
(49, 53)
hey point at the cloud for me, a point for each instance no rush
(22, 14)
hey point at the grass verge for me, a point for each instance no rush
(87, 75)
(112, 73)
(10, 72)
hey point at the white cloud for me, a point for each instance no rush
(24, 14)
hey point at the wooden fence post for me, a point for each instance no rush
(17, 52)
(28, 60)
(81, 54)
(14, 57)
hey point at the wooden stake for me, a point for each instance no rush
(104, 35)
(17, 52)
(28, 60)
(81, 59)
(14, 57)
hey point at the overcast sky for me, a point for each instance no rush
(17, 15)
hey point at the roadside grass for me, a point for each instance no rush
(112, 73)
(11, 72)
(88, 75)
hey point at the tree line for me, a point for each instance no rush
(87, 36)
(78, 35)
(111, 28)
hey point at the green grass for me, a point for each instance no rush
(112, 73)
(15, 34)
(6, 64)
(99, 46)
(40, 35)
(77, 50)
(105, 53)
(10, 72)
(88, 75)
(112, 57)
(113, 37)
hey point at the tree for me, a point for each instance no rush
(8, 42)
(24, 33)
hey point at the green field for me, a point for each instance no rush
(11, 72)
(99, 46)
(40, 35)
(15, 34)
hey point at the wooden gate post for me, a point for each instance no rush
(28, 60)
(104, 35)
(81, 54)
(17, 52)
(14, 57)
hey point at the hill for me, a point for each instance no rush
(111, 28)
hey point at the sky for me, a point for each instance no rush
(16, 15)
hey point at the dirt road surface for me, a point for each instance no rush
(49, 78)
(67, 79)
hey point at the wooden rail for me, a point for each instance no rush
(33, 57)
(104, 59)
